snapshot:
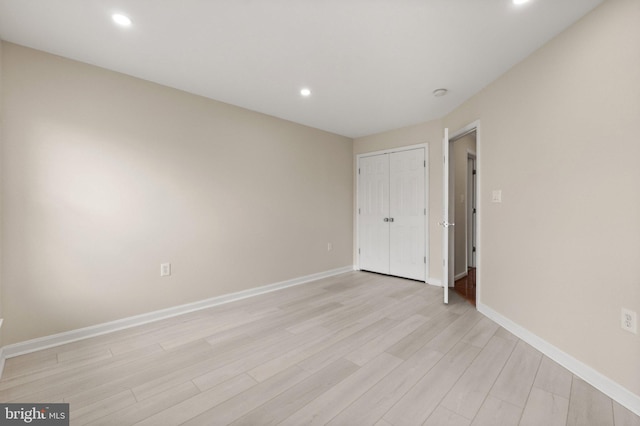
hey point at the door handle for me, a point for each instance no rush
(446, 224)
(390, 219)
(386, 219)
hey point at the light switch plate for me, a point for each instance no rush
(165, 269)
(496, 196)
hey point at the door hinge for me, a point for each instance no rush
(474, 211)
(358, 170)
(474, 249)
(359, 211)
(425, 163)
(425, 259)
(425, 211)
(358, 251)
(474, 171)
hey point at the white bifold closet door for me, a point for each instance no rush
(392, 209)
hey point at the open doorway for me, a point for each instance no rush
(463, 212)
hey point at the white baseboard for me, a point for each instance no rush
(460, 275)
(2, 358)
(45, 342)
(1, 353)
(599, 381)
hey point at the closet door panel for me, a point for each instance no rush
(374, 209)
(407, 209)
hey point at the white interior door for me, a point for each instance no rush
(445, 216)
(407, 210)
(373, 212)
(471, 211)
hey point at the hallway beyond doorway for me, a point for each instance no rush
(466, 286)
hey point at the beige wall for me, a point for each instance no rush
(559, 136)
(105, 176)
(458, 200)
(430, 133)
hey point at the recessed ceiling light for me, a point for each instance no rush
(305, 92)
(438, 93)
(121, 20)
(519, 2)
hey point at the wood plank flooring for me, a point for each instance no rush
(466, 286)
(355, 349)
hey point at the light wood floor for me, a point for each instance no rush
(356, 349)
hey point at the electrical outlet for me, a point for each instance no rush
(165, 269)
(629, 321)
(329, 246)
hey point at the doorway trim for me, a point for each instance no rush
(425, 146)
(470, 128)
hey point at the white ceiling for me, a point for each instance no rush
(372, 64)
